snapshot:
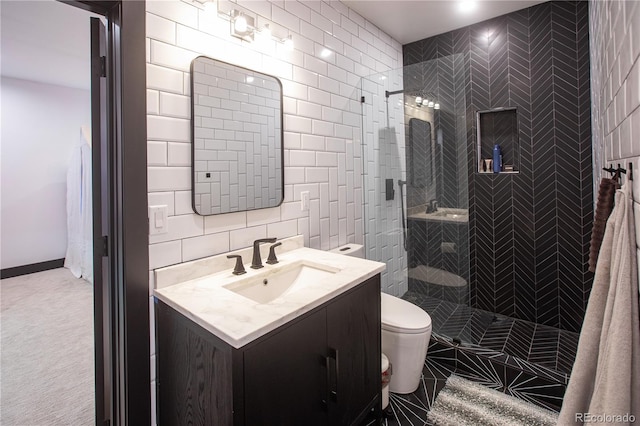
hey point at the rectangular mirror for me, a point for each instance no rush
(420, 149)
(236, 135)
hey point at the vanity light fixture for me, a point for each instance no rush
(264, 35)
(288, 42)
(210, 9)
(242, 26)
(424, 99)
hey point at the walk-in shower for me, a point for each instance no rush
(414, 132)
(417, 158)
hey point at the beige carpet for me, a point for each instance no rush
(46, 350)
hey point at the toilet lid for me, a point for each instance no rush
(403, 317)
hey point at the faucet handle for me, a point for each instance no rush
(272, 260)
(239, 268)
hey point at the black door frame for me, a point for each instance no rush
(129, 246)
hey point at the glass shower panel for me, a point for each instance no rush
(384, 166)
(415, 169)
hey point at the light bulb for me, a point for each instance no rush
(240, 24)
(418, 100)
(436, 106)
(265, 33)
(430, 105)
(210, 9)
(288, 42)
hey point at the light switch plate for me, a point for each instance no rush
(158, 220)
(304, 200)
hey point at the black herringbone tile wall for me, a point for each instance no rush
(529, 232)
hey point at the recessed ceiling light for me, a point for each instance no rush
(467, 6)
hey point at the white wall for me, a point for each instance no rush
(322, 121)
(40, 126)
(615, 89)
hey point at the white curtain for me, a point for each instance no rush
(79, 258)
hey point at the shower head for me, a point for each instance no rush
(401, 182)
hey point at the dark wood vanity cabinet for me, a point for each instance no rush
(322, 368)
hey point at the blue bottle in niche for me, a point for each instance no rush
(497, 159)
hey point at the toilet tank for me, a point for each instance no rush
(355, 250)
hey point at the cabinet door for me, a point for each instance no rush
(353, 332)
(194, 381)
(285, 377)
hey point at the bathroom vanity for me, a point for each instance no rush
(309, 356)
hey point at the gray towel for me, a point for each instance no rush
(605, 380)
(604, 206)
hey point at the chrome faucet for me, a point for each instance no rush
(433, 206)
(256, 263)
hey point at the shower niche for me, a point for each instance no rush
(498, 126)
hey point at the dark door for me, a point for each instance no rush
(101, 179)
(285, 376)
(353, 337)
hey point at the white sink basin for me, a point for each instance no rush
(447, 214)
(272, 284)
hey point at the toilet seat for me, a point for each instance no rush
(400, 316)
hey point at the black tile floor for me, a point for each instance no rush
(512, 340)
(522, 359)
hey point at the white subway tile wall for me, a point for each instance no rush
(615, 90)
(334, 47)
(322, 110)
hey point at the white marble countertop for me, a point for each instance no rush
(238, 320)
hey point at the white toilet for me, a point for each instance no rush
(406, 330)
